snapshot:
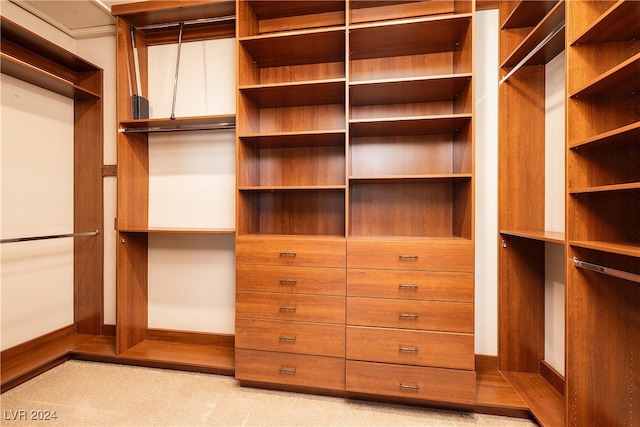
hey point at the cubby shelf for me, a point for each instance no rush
(620, 137)
(621, 22)
(178, 230)
(408, 90)
(546, 236)
(408, 125)
(527, 13)
(622, 78)
(299, 93)
(606, 188)
(620, 248)
(552, 21)
(328, 137)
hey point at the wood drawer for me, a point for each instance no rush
(302, 308)
(291, 252)
(414, 382)
(293, 337)
(411, 314)
(291, 369)
(438, 349)
(424, 285)
(434, 255)
(298, 280)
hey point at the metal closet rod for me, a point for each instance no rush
(606, 270)
(190, 22)
(51, 236)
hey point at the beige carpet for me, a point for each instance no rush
(98, 394)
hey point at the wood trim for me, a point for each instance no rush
(487, 4)
(109, 170)
(109, 330)
(186, 337)
(555, 378)
(486, 362)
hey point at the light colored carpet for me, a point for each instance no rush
(98, 394)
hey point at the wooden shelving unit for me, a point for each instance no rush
(532, 33)
(135, 342)
(35, 60)
(603, 194)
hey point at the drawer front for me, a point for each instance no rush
(302, 308)
(449, 255)
(291, 252)
(297, 280)
(409, 314)
(414, 382)
(291, 369)
(293, 337)
(438, 349)
(423, 285)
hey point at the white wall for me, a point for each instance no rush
(486, 138)
(554, 211)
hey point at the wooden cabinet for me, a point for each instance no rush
(355, 169)
(603, 198)
(156, 24)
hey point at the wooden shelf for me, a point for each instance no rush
(619, 248)
(528, 13)
(390, 179)
(227, 121)
(28, 73)
(606, 188)
(546, 236)
(620, 23)
(212, 358)
(418, 89)
(279, 9)
(550, 50)
(296, 47)
(177, 230)
(408, 37)
(295, 139)
(408, 125)
(271, 188)
(544, 401)
(299, 93)
(624, 136)
(622, 78)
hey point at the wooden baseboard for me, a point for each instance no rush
(185, 337)
(485, 362)
(555, 378)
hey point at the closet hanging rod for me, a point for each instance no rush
(190, 22)
(535, 50)
(220, 126)
(607, 270)
(51, 236)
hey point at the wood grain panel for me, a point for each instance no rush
(292, 337)
(411, 382)
(296, 280)
(420, 285)
(410, 314)
(292, 369)
(422, 348)
(434, 255)
(300, 252)
(302, 308)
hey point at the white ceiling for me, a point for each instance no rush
(77, 18)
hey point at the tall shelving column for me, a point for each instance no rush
(410, 240)
(603, 212)
(531, 34)
(290, 305)
(157, 23)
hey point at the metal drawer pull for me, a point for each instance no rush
(408, 256)
(287, 370)
(288, 281)
(409, 349)
(283, 338)
(409, 387)
(407, 286)
(287, 308)
(288, 253)
(407, 316)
